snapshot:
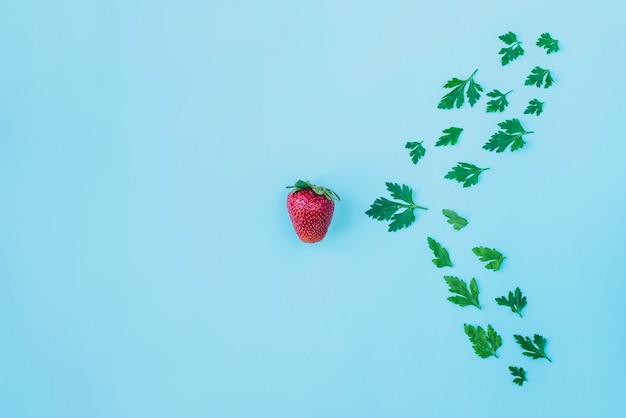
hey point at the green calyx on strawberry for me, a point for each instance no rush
(311, 209)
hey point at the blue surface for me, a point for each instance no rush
(147, 264)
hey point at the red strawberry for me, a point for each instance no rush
(311, 209)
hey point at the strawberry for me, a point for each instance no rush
(311, 209)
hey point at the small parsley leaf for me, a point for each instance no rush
(465, 296)
(417, 150)
(539, 76)
(498, 102)
(457, 222)
(465, 173)
(384, 209)
(451, 136)
(534, 348)
(519, 373)
(534, 107)
(546, 41)
(485, 344)
(456, 97)
(493, 256)
(442, 257)
(511, 133)
(516, 301)
(514, 49)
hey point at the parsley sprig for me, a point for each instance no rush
(400, 213)
(548, 43)
(535, 348)
(516, 301)
(460, 89)
(514, 49)
(539, 77)
(511, 134)
(519, 373)
(442, 257)
(417, 150)
(458, 222)
(450, 137)
(498, 102)
(493, 256)
(485, 344)
(534, 107)
(465, 173)
(464, 296)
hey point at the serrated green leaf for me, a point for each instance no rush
(539, 77)
(519, 373)
(417, 151)
(493, 256)
(442, 257)
(516, 301)
(548, 43)
(460, 89)
(400, 213)
(485, 344)
(534, 107)
(499, 101)
(464, 296)
(534, 348)
(511, 134)
(465, 173)
(450, 137)
(457, 222)
(513, 51)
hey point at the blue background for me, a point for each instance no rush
(148, 267)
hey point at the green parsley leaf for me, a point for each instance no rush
(451, 136)
(519, 373)
(417, 150)
(546, 41)
(539, 76)
(492, 255)
(535, 348)
(485, 344)
(456, 97)
(534, 107)
(465, 296)
(384, 209)
(515, 301)
(499, 101)
(511, 133)
(442, 258)
(465, 173)
(457, 222)
(514, 50)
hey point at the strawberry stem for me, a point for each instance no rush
(306, 185)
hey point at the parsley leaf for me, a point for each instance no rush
(538, 76)
(511, 133)
(519, 373)
(514, 50)
(498, 102)
(492, 255)
(484, 343)
(535, 348)
(451, 136)
(465, 296)
(546, 41)
(456, 97)
(515, 301)
(457, 222)
(442, 258)
(384, 209)
(465, 173)
(417, 150)
(534, 107)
